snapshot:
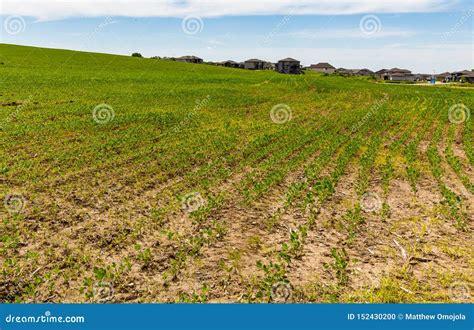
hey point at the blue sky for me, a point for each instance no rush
(421, 35)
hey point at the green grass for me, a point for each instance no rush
(109, 195)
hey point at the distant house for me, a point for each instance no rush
(323, 68)
(423, 77)
(344, 72)
(269, 66)
(444, 77)
(230, 64)
(364, 72)
(189, 59)
(354, 72)
(464, 75)
(289, 65)
(397, 74)
(401, 77)
(254, 64)
(382, 74)
(468, 77)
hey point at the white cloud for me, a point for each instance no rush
(57, 9)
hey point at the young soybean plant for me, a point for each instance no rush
(339, 265)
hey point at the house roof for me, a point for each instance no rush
(322, 65)
(381, 71)
(288, 59)
(463, 72)
(229, 61)
(189, 57)
(397, 70)
(254, 60)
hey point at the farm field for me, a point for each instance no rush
(138, 180)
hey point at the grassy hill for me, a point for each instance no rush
(131, 179)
